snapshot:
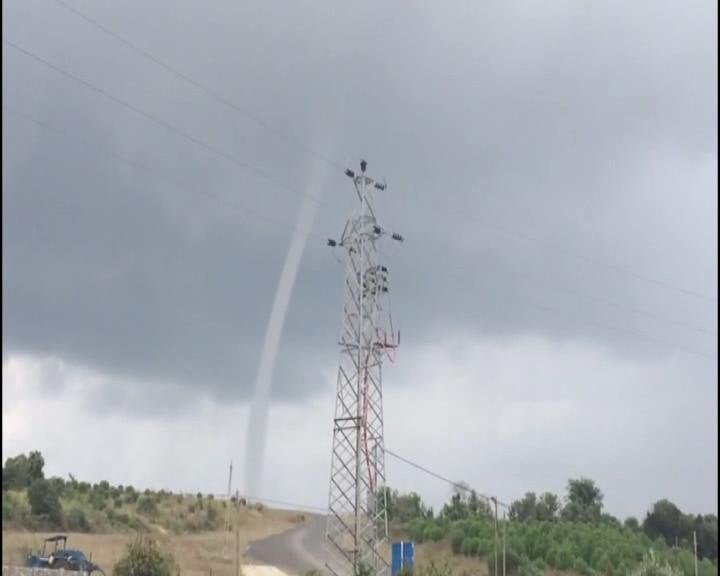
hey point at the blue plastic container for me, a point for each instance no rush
(403, 556)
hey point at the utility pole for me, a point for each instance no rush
(695, 551)
(496, 535)
(357, 520)
(228, 505)
(504, 540)
(237, 550)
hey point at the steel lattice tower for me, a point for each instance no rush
(356, 531)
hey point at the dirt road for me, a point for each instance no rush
(295, 551)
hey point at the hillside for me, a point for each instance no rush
(32, 502)
(202, 532)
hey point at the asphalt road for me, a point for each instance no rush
(295, 551)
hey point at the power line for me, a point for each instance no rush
(456, 485)
(262, 500)
(171, 128)
(589, 296)
(243, 208)
(228, 103)
(263, 174)
(609, 302)
(587, 259)
(612, 327)
(286, 503)
(266, 176)
(592, 322)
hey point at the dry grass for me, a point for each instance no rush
(440, 552)
(196, 554)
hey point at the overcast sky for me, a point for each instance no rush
(552, 167)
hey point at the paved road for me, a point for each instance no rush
(295, 551)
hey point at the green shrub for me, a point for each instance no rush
(487, 547)
(564, 559)
(119, 518)
(529, 569)
(143, 557)
(14, 508)
(433, 532)
(512, 562)
(581, 567)
(76, 520)
(363, 570)
(97, 500)
(470, 546)
(416, 530)
(652, 566)
(457, 535)
(44, 501)
(146, 505)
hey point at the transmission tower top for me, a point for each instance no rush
(364, 186)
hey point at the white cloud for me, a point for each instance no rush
(507, 417)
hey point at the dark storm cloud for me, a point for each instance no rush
(589, 128)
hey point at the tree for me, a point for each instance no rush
(524, 509)
(143, 557)
(36, 464)
(664, 520)
(530, 507)
(584, 501)
(457, 508)
(401, 507)
(14, 473)
(44, 500)
(20, 471)
(478, 507)
(610, 520)
(547, 507)
(58, 485)
(631, 523)
(707, 535)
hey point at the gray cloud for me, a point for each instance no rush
(590, 127)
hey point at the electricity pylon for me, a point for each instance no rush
(357, 521)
